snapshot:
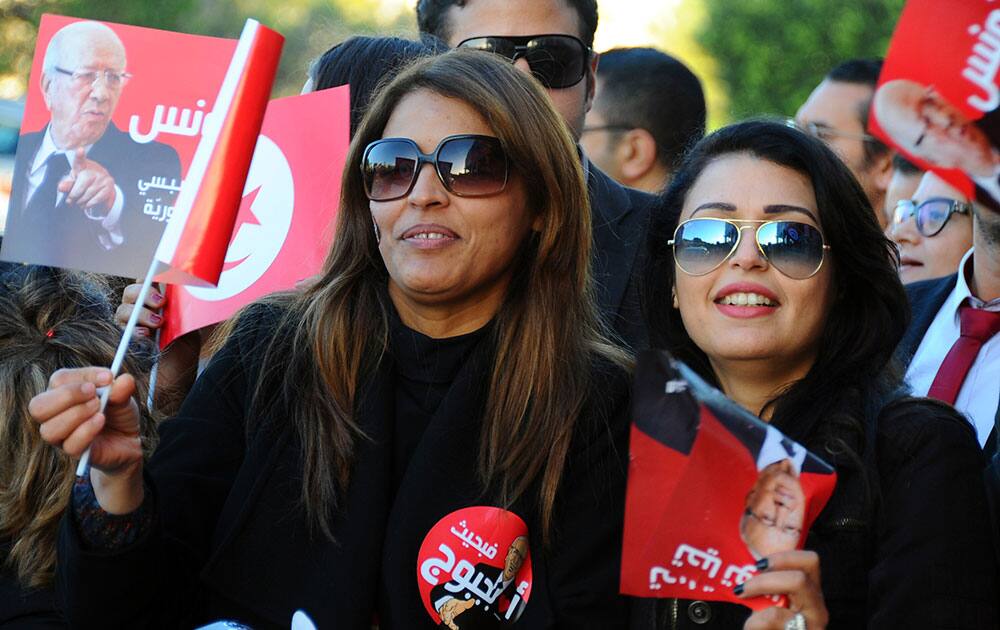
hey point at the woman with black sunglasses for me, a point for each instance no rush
(933, 231)
(769, 275)
(433, 433)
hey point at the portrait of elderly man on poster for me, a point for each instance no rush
(77, 198)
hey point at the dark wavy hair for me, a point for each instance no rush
(365, 63)
(833, 407)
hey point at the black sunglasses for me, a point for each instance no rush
(931, 215)
(468, 165)
(702, 244)
(557, 61)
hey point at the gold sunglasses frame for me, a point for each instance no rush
(758, 223)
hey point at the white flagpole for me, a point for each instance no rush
(189, 188)
(116, 365)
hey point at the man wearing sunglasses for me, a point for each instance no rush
(837, 113)
(553, 40)
(76, 200)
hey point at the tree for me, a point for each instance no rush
(772, 53)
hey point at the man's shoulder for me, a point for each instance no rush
(930, 293)
(611, 201)
(115, 137)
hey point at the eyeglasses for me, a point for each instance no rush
(931, 215)
(557, 61)
(468, 166)
(827, 133)
(769, 521)
(702, 244)
(89, 77)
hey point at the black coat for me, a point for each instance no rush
(23, 608)
(231, 541)
(62, 238)
(923, 560)
(619, 216)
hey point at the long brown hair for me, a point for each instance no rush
(546, 333)
(49, 319)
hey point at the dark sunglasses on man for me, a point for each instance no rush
(468, 165)
(557, 61)
(931, 215)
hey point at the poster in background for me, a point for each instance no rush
(711, 489)
(152, 125)
(937, 100)
(285, 223)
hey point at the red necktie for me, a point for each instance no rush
(978, 326)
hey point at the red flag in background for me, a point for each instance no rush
(704, 477)
(194, 244)
(285, 222)
(938, 99)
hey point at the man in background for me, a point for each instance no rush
(649, 109)
(837, 113)
(553, 40)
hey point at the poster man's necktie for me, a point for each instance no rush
(44, 199)
(978, 326)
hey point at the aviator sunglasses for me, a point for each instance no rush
(793, 248)
(931, 215)
(557, 61)
(468, 165)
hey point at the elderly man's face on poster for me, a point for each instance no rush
(775, 511)
(83, 84)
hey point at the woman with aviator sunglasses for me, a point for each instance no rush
(933, 231)
(769, 275)
(442, 391)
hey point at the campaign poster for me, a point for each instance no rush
(711, 489)
(937, 98)
(112, 119)
(285, 223)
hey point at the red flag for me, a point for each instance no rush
(285, 224)
(195, 241)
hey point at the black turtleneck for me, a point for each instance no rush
(425, 370)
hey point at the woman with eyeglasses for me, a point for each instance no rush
(933, 231)
(768, 274)
(433, 433)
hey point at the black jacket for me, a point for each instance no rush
(65, 237)
(620, 216)
(23, 608)
(922, 561)
(926, 298)
(231, 541)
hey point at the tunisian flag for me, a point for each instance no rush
(194, 243)
(285, 224)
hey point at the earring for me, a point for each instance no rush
(378, 236)
(673, 296)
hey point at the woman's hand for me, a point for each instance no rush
(68, 412)
(148, 320)
(794, 574)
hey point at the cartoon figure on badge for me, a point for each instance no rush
(464, 583)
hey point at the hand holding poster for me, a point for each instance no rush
(938, 100)
(711, 489)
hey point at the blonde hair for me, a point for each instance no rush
(49, 319)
